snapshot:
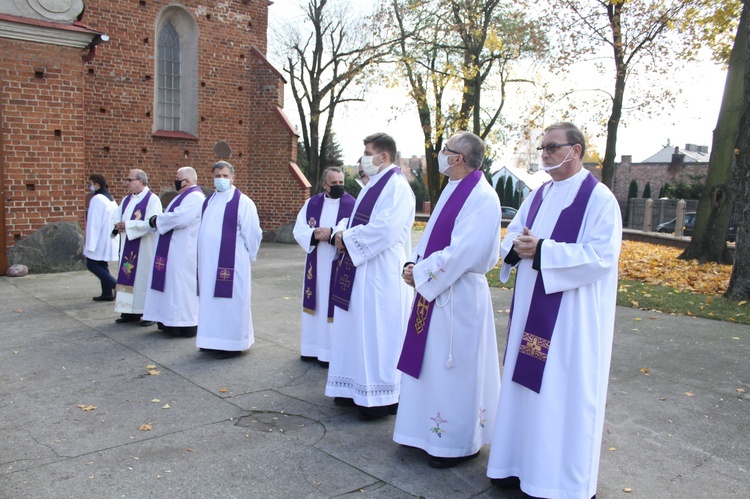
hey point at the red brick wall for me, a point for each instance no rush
(656, 173)
(238, 94)
(44, 177)
(103, 109)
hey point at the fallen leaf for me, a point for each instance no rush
(742, 303)
(627, 489)
(155, 401)
(151, 366)
(689, 394)
(146, 427)
(86, 408)
(154, 372)
(18, 310)
(223, 390)
(644, 369)
(166, 406)
(612, 448)
(637, 318)
(741, 390)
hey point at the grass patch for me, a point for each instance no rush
(665, 299)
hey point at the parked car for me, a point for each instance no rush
(669, 227)
(508, 212)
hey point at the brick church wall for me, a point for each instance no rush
(96, 117)
(238, 96)
(42, 122)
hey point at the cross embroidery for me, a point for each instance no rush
(422, 308)
(344, 282)
(160, 264)
(535, 346)
(308, 293)
(225, 274)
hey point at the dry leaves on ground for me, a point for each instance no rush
(656, 264)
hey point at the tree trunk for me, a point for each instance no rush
(708, 243)
(739, 283)
(608, 165)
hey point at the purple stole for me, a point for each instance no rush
(544, 308)
(225, 269)
(314, 209)
(412, 353)
(346, 271)
(159, 271)
(129, 262)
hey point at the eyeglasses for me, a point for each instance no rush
(131, 179)
(446, 148)
(552, 148)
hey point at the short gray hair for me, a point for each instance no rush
(471, 147)
(141, 175)
(223, 164)
(572, 134)
(324, 177)
(189, 173)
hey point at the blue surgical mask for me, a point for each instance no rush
(222, 184)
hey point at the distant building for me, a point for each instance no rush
(529, 179)
(670, 165)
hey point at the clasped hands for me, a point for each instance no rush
(525, 244)
(322, 233)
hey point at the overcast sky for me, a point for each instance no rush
(690, 120)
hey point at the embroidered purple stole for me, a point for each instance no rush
(544, 308)
(228, 246)
(159, 270)
(314, 209)
(346, 271)
(412, 353)
(129, 262)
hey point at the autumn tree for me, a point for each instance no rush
(739, 283)
(325, 57)
(452, 52)
(635, 35)
(717, 199)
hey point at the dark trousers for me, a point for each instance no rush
(101, 270)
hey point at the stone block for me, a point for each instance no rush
(56, 247)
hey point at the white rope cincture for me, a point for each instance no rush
(449, 362)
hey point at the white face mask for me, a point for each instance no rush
(222, 184)
(368, 167)
(548, 168)
(443, 165)
(92, 188)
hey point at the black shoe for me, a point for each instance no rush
(511, 482)
(323, 364)
(226, 354)
(442, 463)
(182, 331)
(125, 318)
(377, 412)
(308, 358)
(147, 323)
(343, 401)
(103, 298)
(160, 326)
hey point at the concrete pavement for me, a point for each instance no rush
(677, 424)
